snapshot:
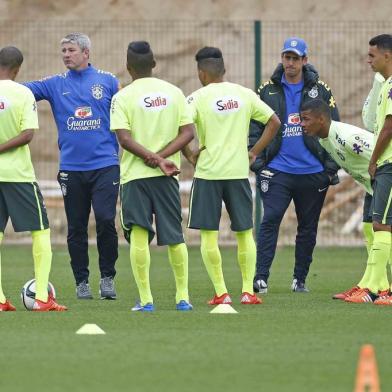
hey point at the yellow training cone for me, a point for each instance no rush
(90, 329)
(223, 308)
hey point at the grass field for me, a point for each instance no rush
(293, 342)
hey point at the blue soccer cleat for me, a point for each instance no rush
(184, 306)
(149, 307)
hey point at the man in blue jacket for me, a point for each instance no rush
(294, 166)
(89, 169)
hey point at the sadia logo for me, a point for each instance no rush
(154, 101)
(226, 105)
(83, 112)
(3, 103)
(294, 119)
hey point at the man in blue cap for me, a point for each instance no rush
(294, 166)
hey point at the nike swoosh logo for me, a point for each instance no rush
(273, 92)
(116, 183)
(323, 189)
(67, 92)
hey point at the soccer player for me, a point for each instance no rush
(20, 196)
(369, 121)
(351, 148)
(89, 168)
(222, 111)
(152, 123)
(380, 170)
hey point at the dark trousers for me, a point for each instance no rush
(81, 190)
(277, 190)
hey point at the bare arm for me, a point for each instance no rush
(192, 156)
(185, 135)
(383, 140)
(24, 138)
(189, 154)
(269, 133)
(128, 143)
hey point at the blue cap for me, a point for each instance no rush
(296, 45)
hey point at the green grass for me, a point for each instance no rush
(293, 342)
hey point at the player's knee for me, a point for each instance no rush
(271, 219)
(105, 226)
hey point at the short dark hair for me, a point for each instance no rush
(210, 59)
(317, 106)
(140, 56)
(382, 41)
(10, 57)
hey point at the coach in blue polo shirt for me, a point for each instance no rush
(294, 166)
(89, 169)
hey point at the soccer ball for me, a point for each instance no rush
(28, 293)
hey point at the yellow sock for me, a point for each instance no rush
(42, 255)
(178, 257)
(368, 239)
(246, 259)
(140, 262)
(368, 235)
(380, 255)
(390, 261)
(384, 282)
(212, 260)
(2, 296)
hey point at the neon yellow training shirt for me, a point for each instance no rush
(222, 113)
(151, 110)
(351, 148)
(18, 112)
(370, 105)
(384, 109)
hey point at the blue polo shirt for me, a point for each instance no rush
(80, 102)
(294, 157)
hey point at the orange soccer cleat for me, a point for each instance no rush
(224, 299)
(7, 307)
(50, 306)
(361, 296)
(347, 293)
(250, 299)
(384, 298)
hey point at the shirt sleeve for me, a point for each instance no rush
(192, 107)
(40, 88)
(29, 116)
(115, 85)
(185, 111)
(119, 118)
(260, 110)
(388, 98)
(370, 105)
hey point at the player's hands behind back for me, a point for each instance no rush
(168, 168)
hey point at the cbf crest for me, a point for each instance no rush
(97, 91)
(313, 93)
(264, 186)
(64, 189)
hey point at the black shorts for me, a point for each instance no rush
(148, 198)
(382, 196)
(24, 204)
(367, 208)
(205, 206)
